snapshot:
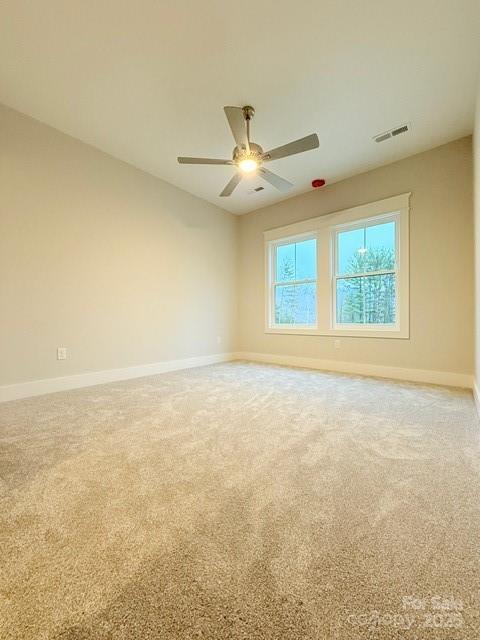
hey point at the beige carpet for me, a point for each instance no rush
(241, 501)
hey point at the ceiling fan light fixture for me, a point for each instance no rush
(247, 165)
(249, 157)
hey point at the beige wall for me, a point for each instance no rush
(441, 264)
(124, 269)
(476, 162)
(116, 265)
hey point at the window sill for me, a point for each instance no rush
(347, 333)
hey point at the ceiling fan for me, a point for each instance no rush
(249, 157)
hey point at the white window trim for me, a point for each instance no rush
(324, 228)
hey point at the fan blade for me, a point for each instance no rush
(203, 161)
(280, 183)
(237, 123)
(231, 185)
(290, 149)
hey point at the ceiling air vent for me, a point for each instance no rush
(404, 128)
(382, 137)
(256, 190)
(399, 130)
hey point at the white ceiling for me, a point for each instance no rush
(146, 80)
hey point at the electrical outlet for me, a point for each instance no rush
(61, 353)
(219, 339)
(336, 344)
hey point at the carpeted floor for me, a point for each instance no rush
(241, 501)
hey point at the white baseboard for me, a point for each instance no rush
(446, 378)
(51, 385)
(476, 396)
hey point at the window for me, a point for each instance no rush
(294, 286)
(341, 274)
(364, 283)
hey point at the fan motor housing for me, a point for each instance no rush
(256, 153)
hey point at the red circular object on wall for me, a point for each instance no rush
(318, 182)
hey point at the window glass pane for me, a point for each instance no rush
(380, 247)
(367, 249)
(296, 261)
(366, 300)
(296, 304)
(350, 251)
(306, 260)
(285, 263)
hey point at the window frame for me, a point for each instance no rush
(273, 283)
(325, 229)
(364, 224)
